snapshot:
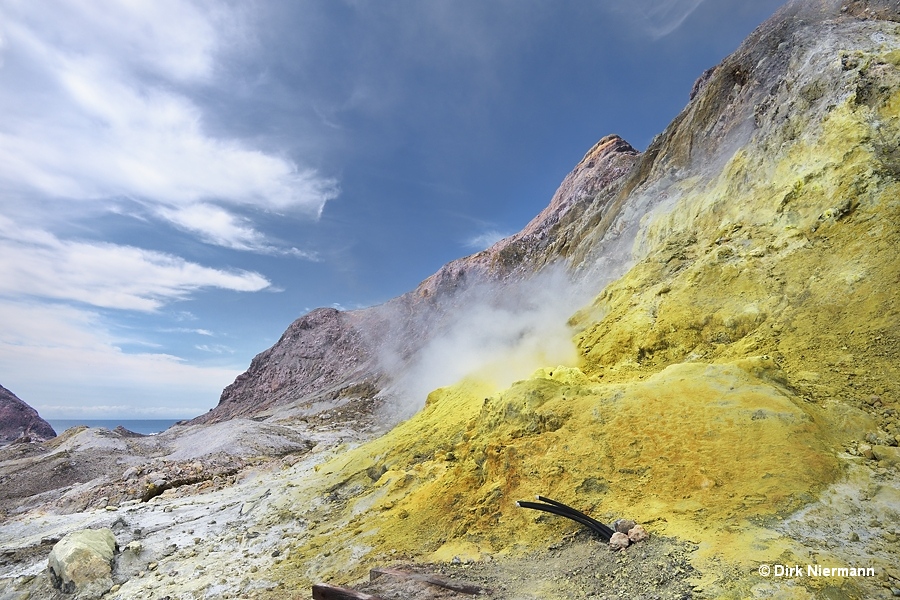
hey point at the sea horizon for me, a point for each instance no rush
(143, 426)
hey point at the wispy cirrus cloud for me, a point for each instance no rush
(197, 331)
(97, 109)
(37, 264)
(658, 18)
(215, 348)
(223, 228)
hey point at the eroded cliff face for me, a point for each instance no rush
(737, 387)
(324, 357)
(19, 421)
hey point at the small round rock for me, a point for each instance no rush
(618, 541)
(637, 534)
(623, 525)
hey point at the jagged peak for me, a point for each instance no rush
(607, 144)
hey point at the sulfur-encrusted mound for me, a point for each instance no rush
(734, 384)
(695, 449)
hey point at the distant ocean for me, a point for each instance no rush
(145, 426)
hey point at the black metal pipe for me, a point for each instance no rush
(603, 531)
(607, 531)
(558, 512)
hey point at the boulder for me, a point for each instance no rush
(81, 563)
(888, 454)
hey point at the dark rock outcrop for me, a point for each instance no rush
(324, 355)
(20, 421)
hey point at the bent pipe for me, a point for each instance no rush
(606, 529)
(558, 512)
(555, 510)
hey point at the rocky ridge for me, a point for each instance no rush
(19, 421)
(611, 187)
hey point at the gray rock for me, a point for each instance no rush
(81, 563)
(623, 525)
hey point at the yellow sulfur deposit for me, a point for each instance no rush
(719, 380)
(694, 448)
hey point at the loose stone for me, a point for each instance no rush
(619, 541)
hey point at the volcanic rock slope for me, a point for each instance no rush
(330, 357)
(732, 382)
(18, 420)
(735, 387)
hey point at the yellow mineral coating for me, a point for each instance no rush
(769, 265)
(719, 380)
(695, 451)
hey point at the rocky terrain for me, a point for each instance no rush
(724, 370)
(19, 421)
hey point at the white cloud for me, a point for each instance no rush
(93, 112)
(218, 226)
(205, 332)
(215, 348)
(485, 240)
(90, 373)
(215, 225)
(37, 264)
(169, 38)
(658, 18)
(117, 411)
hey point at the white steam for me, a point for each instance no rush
(495, 332)
(502, 331)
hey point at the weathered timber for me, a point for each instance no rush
(325, 591)
(456, 586)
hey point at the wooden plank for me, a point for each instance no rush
(456, 586)
(325, 591)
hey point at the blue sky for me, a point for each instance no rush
(180, 180)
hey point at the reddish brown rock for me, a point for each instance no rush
(637, 534)
(19, 421)
(619, 541)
